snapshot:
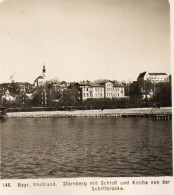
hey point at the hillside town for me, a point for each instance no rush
(150, 89)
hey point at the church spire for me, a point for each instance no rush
(43, 71)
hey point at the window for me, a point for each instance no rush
(84, 95)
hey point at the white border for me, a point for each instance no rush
(158, 189)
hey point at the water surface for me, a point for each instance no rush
(85, 147)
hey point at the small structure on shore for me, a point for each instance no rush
(3, 112)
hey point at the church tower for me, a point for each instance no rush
(44, 71)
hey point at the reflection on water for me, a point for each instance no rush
(85, 147)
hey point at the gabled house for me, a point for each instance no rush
(39, 81)
(8, 96)
(153, 77)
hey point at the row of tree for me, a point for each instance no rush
(137, 96)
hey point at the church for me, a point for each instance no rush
(40, 80)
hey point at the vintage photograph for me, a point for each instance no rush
(85, 89)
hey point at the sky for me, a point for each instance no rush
(83, 39)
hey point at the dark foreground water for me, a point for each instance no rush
(90, 147)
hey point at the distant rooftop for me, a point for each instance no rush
(157, 73)
(141, 75)
(39, 77)
(99, 84)
(96, 85)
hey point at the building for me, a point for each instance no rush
(106, 89)
(168, 79)
(63, 85)
(40, 80)
(153, 77)
(22, 98)
(148, 88)
(7, 96)
(24, 87)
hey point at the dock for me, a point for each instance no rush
(164, 116)
(158, 114)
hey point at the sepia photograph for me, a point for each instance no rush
(85, 89)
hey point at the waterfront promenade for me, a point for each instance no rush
(92, 113)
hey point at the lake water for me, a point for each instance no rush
(85, 147)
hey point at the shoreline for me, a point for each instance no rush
(91, 113)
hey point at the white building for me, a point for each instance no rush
(153, 77)
(39, 81)
(8, 97)
(107, 89)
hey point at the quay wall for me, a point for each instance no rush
(91, 113)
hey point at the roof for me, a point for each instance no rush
(118, 85)
(29, 95)
(141, 75)
(107, 82)
(63, 82)
(157, 73)
(96, 85)
(99, 84)
(39, 77)
(83, 84)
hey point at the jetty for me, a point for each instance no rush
(164, 116)
(155, 113)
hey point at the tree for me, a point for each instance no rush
(163, 94)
